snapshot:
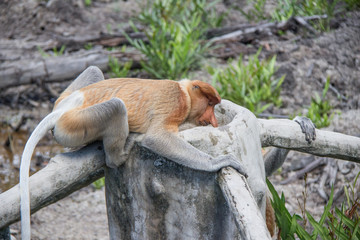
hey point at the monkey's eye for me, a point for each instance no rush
(211, 104)
(195, 87)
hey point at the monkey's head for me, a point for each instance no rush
(204, 97)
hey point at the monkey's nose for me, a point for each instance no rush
(214, 122)
(203, 123)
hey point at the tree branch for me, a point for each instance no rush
(65, 174)
(242, 204)
(287, 134)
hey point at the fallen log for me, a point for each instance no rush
(61, 68)
(247, 33)
(104, 39)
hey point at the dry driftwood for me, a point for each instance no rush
(106, 40)
(61, 68)
(247, 33)
(51, 69)
(302, 172)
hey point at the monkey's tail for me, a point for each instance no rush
(42, 128)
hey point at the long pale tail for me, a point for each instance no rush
(44, 126)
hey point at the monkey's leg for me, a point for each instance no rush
(105, 121)
(171, 146)
(275, 158)
(89, 76)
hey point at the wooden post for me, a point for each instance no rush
(150, 197)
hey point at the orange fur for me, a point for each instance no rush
(204, 97)
(148, 102)
(270, 217)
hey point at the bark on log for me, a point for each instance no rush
(51, 69)
(104, 39)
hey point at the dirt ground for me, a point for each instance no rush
(306, 61)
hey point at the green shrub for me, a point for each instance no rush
(88, 46)
(320, 111)
(333, 224)
(286, 9)
(252, 86)
(345, 223)
(88, 3)
(98, 184)
(289, 8)
(257, 12)
(352, 4)
(344, 226)
(118, 71)
(174, 31)
(288, 224)
(55, 51)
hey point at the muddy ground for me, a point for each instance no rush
(306, 59)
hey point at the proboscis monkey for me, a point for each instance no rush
(95, 109)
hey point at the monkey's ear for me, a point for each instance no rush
(208, 90)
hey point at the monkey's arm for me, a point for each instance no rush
(275, 158)
(171, 146)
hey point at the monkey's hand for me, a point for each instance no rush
(229, 161)
(307, 127)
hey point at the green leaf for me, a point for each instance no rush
(318, 228)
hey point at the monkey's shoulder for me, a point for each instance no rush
(137, 81)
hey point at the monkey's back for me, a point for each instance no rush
(148, 102)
